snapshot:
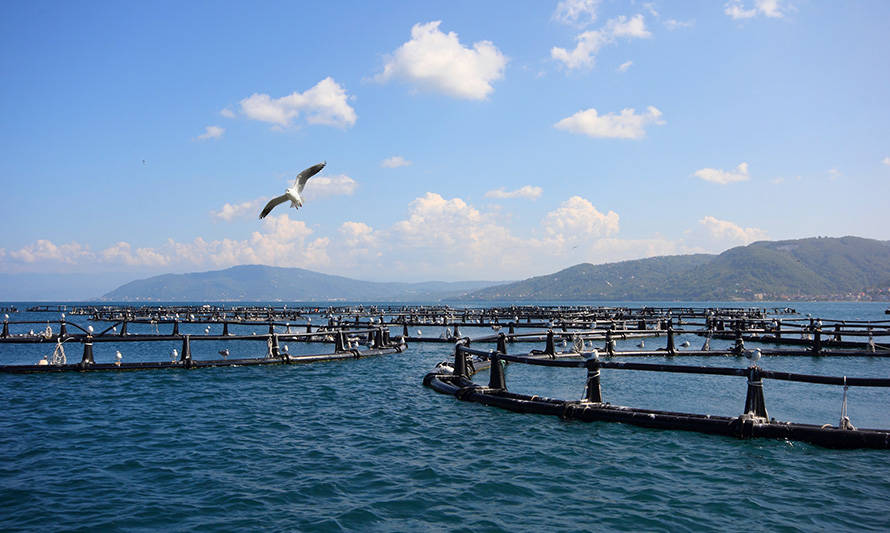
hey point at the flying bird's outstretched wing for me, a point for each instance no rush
(304, 176)
(272, 203)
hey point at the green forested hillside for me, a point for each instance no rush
(836, 268)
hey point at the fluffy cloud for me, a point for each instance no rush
(624, 66)
(713, 234)
(886, 161)
(395, 162)
(211, 132)
(715, 175)
(123, 252)
(672, 24)
(626, 125)
(323, 186)
(770, 8)
(226, 112)
(326, 103)
(578, 218)
(437, 61)
(576, 12)
(590, 42)
(229, 211)
(44, 250)
(526, 191)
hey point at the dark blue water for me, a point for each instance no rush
(362, 445)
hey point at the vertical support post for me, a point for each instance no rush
(512, 330)
(308, 327)
(456, 331)
(460, 361)
(175, 328)
(754, 402)
(378, 338)
(592, 391)
(87, 358)
(837, 332)
(405, 330)
(271, 328)
(550, 349)
(670, 341)
(225, 329)
(778, 329)
(276, 349)
(817, 339)
(497, 379)
(185, 356)
(5, 333)
(340, 345)
(502, 343)
(124, 328)
(610, 343)
(63, 327)
(739, 343)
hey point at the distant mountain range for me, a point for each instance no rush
(847, 268)
(265, 283)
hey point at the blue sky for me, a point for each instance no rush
(464, 140)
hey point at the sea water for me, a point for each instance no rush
(362, 445)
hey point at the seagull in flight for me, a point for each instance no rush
(294, 194)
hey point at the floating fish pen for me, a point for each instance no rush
(455, 378)
(348, 343)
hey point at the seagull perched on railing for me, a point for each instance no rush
(294, 194)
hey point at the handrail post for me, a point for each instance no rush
(340, 345)
(497, 378)
(592, 391)
(185, 356)
(5, 333)
(670, 340)
(225, 328)
(512, 330)
(175, 328)
(87, 358)
(276, 350)
(550, 349)
(817, 339)
(610, 343)
(502, 343)
(460, 361)
(754, 402)
(124, 328)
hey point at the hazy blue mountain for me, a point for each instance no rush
(261, 283)
(814, 268)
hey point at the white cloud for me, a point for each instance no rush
(326, 103)
(624, 66)
(770, 8)
(718, 235)
(531, 192)
(672, 24)
(590, 42)
(578, 218)
(723, 177)
(626, 125)
(437, 61)
(576, 12)
(886, 161)
(395, 162)
(211, 132)
(123, 252)
(323, 186)
(226, 112)
(44, 250)
(229, 211)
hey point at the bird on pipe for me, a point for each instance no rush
(295, 193)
